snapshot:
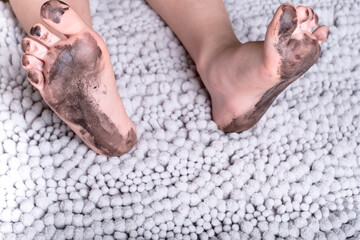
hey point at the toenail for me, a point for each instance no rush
(36, 30)
(24, 61)
(25, 45)
(32, 76)
(53, 10)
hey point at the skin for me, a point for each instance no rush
(27, 12)
(53, 11)
(242, 79)
(74, 75)
(76, 80)
(35, 31)
(33, 76)
(297, 56)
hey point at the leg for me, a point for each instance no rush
(243, 79)
(27, 12)
(76, 79)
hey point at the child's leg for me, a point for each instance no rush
(27, 12)
(75, 75)
(243, 79)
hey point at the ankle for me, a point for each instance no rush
(210, 54)
(211, 61)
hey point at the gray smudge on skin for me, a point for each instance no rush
(35, 31)
(25, 60)
(53, 10)
(73, 77)
(297, 56)
(25, 45)
(33, 77)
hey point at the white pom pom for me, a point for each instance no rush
(307, 233)
(325, 225)
(5, 215)
(89, 233)
(95, 195)
(94, 170)
(76, 173)
(27, 205)
(6, 228)
(309, 157)
(348, 230)
(34, 151)
(115, 201)
(27, 219)
(211, 201)
(49, 219)
(59, 174)
(78, 206)
(42, 202)
(38, 225)
(59, 220)
(18, 227)
(9, 146)
(38, 123)
(257, 199)
(148, 223)
(66, 206)
(36, 172)
(246, 227)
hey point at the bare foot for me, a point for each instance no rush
(76, 79)
(244, 79)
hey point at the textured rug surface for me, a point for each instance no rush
(295, 175)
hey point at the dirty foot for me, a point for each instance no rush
(76, 79)
(244, 79)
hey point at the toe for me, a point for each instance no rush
(36, 78)
(43, 35)
(322, 33)
(283, 24)
(314, 22)
(311, 13)
(62, 18)
(313, 19)
(279, 32)
(288, 20)
(33, 47)
(303, 14)
(29, 62)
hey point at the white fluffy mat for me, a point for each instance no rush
(295, 175)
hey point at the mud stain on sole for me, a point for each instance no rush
(297, 56)
(71, 80)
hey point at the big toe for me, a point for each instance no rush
(283, 24)
(62, 18)
(280, 29)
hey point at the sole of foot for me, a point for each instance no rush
(244, 79)
(74, 76)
